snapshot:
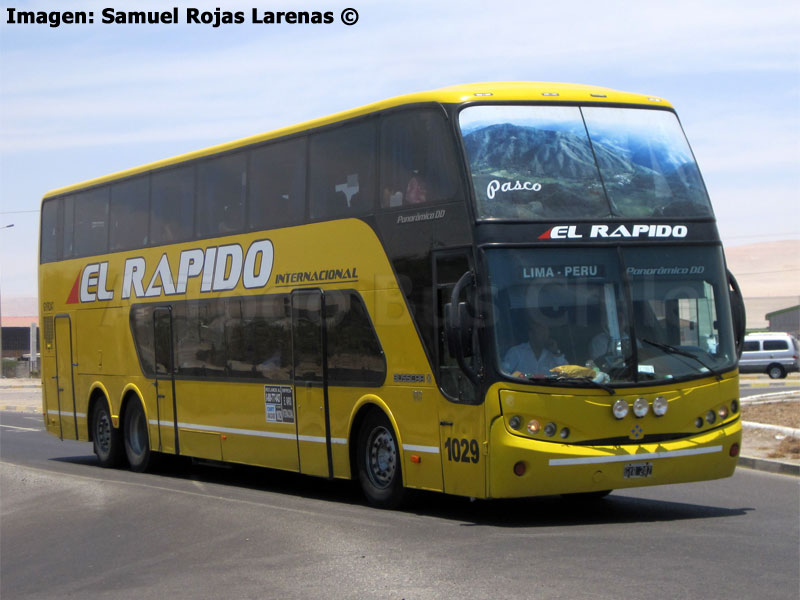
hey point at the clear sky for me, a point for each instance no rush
(80, 101)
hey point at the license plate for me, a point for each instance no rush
(638, 470)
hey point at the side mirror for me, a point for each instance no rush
(738, 314)
(459, 326)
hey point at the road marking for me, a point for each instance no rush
(21, 428)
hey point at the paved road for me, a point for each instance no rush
(73, 530)
(746, 392)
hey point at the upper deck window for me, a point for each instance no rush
(557, 162)
(417, 165)
(342, 171)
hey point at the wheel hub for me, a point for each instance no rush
(382, 458)
(103, 433)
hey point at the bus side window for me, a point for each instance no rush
(417, 159)
(277, 190)
(355, 356)
(172, 205)
(91, 222)
(51, 230)
(221, 186)
(342, 171)
(130, 200)
(258, 338)
(57, 224)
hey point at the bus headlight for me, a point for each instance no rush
(660, 406)
(711, 417)
(514, 422)
(550, 429)
(620, 409)
(640, 407)
(534, 426)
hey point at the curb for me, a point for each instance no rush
(770, 397)
(769, 465)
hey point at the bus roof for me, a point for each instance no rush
(513, 91)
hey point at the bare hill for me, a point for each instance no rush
(766, 269)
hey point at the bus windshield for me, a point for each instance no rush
(555, 162)
(657, 314)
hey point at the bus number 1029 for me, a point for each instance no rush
(461, 450)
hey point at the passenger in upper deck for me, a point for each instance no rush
(538, 354)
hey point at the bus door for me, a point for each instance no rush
(166, 414)
(462, 428)
(310, 382)
(65, 383)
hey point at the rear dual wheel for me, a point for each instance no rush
(137, 439)
(106, 439)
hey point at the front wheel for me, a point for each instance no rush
(137, 440)
(106, 440)
(776, 372)
(378, 456)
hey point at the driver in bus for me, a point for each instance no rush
(536, 356)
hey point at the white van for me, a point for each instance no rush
(775, 354)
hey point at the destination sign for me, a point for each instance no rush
(563, 271)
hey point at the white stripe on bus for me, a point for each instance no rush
(253, 432)
(65, 413)
(282, 436)
(414, 448)
(591, 460)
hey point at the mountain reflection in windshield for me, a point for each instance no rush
(542, 162)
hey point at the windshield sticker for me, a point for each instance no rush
(518, 186)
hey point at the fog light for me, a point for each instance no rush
(550, 429)
(640, 407)
(519, 469)
(722, 412)
(698, 422)
(564, 432)
(534, 426)
(660, 406)
(734, 451)
(711, 417)
(514, 422)
(734, 406)
(620, 409)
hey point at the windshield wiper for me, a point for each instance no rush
(674, 350)
(555, 380)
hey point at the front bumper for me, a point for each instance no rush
(555, 468)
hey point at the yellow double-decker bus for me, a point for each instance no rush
(492, 290)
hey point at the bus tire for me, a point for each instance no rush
(378, 457)
(137, 440)
(106, 439)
